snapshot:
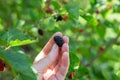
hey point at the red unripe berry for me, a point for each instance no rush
(7, 66)
(49, 10)
(65, 1)
(71, 75)
(109, 7)
(65, 18)
(81, 30)
(1, 65)
(60, 3)
(48, 3)
(101, 49)
(97, 11)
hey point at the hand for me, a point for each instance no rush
(52, 62)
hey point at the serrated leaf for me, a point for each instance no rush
(20, 63)
(14, 34)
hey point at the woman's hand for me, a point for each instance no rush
(52, 62)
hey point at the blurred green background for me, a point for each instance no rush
(93, 27)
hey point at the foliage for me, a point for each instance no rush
(93, 27)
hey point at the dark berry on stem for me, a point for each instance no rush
(59, 41)
(59, 18)
(40, 32)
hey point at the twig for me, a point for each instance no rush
(101, 52)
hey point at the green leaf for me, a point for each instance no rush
(90, 19)
(3, 42)
(93, 2)
(83, 70)
(20, 64)
(74, 61)
(19, 42)
(14, 34)
(56, 5)
(100, 30)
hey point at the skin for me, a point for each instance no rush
(52, 62)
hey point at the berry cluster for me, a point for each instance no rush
(49, 10)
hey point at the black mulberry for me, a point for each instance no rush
(59, 41)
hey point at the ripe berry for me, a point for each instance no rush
(8, 67)
(59, 41)
(1, 65)
(40, 32)
(59, 18)
(65, 18)
(49, 10)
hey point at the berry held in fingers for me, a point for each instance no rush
(59, 41)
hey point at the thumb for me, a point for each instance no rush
(48, 60)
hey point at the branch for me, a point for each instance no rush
(101, 52)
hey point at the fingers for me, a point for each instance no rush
(63, 64)
(44, 63)
(65, 48)
(47, 48)
(50, 43)
(66, 39)
(62, 71)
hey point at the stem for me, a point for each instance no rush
(101, 53)
(7, 47)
